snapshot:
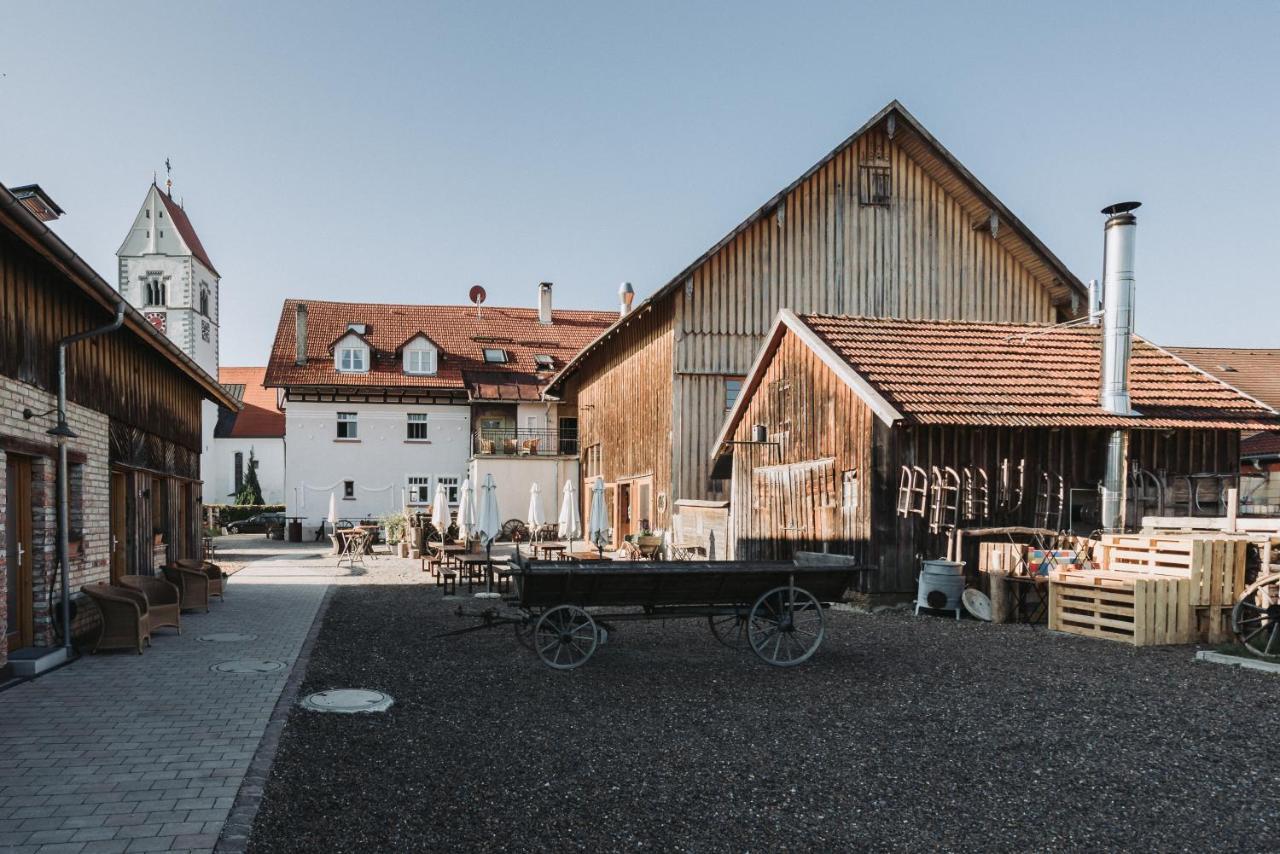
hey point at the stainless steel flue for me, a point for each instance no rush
(1117, 307)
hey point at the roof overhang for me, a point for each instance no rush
(43, 240)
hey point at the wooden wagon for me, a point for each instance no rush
(563, 610)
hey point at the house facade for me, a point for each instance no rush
(254, 434)
(384, 402)
(165, 273)
(888, 224)
(133, 405)
(878, 437)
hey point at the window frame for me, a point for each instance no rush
(544, 361)
(410, 487)
(422, 419)
(420, 351)
(729, 401)
(452, 488)
(504, 356)
(352, 350)
(348, 490)
(348, 423)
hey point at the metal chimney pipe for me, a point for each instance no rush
(301, 334)
(544, 303)
(1095, 303)
(1117, 307)
(626, 295)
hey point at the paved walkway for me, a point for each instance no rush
(120, 752)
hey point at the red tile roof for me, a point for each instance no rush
(1260, 445)
(1255, 372)
(187, 230)
(1025, 375)
(457, 332)
(261, 417)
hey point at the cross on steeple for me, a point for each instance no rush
(168, 177)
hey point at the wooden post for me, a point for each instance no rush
(1233, 507)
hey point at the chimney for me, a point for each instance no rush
(1117, 307)
(626, 294)
(544, 303)
(1117, 348)
(1095, 303)
(301, 333)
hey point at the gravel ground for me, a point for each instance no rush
(902, 733)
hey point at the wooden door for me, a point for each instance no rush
(119, 527)
(622, 526)
(18, 552)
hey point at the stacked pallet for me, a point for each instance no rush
(1152, 589)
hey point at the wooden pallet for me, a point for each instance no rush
(1215, 565)
(1144, 610)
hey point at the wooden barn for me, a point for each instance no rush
(888, 224)
(131, 427)
(877, 437)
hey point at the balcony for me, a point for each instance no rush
(523, 442)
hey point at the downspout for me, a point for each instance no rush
(63, 432)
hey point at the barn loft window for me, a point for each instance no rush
(732, 388)
(875, 184)
(156, 292)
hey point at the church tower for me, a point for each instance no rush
(166, 274)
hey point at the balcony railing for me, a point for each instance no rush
(523, 442)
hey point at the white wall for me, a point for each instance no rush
(379, 462)
(514, 477)
(269, 454)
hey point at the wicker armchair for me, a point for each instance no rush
(192, 584)
(124, 617)
(217, 578)
(163, 600)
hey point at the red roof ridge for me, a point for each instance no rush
(188, 231)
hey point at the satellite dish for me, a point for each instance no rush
(477, 294)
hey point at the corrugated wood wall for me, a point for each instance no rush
(624, 404)
(790, 494)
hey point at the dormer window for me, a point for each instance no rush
(354, 359)
(495, 355)
(420, 360)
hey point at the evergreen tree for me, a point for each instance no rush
(250, 490)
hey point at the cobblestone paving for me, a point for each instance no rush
(120, 752)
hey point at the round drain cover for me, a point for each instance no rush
(227, 637)
(346, 701)
(248, 665)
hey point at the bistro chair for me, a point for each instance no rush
(192, 584)
(124, 617)
(217, 578)
(164, 606)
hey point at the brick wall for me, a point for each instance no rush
(93, 564)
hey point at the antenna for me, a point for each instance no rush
(477, 296)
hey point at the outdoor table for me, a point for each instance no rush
(1023, 587)
(468, 561)
(587, 556)
(551, 551)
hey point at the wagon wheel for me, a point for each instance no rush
(524, 632)
(729, 629)
(565, 637)
(1256, 617)
(786, 626)
(513, 530)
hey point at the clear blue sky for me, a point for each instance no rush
(402, 152)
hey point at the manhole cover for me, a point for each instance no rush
(347, 701)
(227, 637)
(248, 665)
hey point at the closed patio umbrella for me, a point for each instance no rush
(535, 519)
(333, 518)
(598, 521)
(488, 524)
(570, 522)
(440, 513)
(466, 511)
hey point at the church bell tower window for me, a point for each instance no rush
(204, 299)
(156, 292)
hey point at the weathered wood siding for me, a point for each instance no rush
(116, 374)
(927, 254)
(808, 487)
(624, 406)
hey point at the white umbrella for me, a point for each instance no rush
(535, 519)
(570, 523)
(333, 516)
(466, 510)
(488, 524)
(440, 512)
(598, 521)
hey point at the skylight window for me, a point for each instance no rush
(544, 361)
(495, 355)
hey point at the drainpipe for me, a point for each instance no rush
(63, 432)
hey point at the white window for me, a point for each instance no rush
(417, 427)
(420, 360)
(451, 487)
(353, 359)
(495, 355)
(348, 427)
(419, 489)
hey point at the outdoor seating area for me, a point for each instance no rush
(130, 611)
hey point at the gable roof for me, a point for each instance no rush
(1002, 375)
(260, 417)
(180, 221)
(459, 335)
(1255, 371)
(941, 165)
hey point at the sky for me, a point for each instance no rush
(402, 152)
